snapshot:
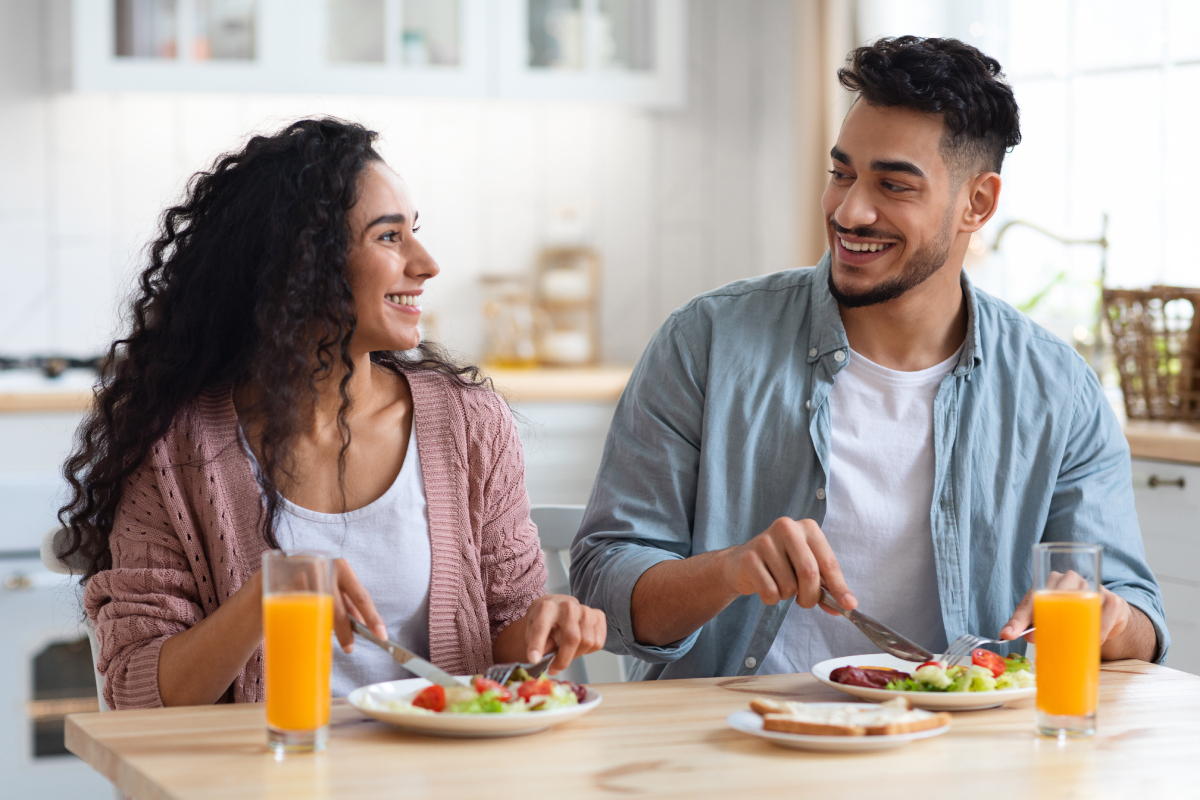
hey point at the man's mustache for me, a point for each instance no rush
(864, 232)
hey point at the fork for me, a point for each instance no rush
(500, 673)
(964, 644)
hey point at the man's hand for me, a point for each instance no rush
(1125, 632)
(789, 559)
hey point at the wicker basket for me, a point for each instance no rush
(1156, 346)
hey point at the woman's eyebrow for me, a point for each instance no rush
(388, 219)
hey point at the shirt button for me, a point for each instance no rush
(808, 404)
(820, 494)
(812, 353)
(750, 662)
(839, 356)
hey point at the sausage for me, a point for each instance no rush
(866, 677)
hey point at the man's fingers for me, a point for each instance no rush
(763, 583)
(831, 571)
(777, 560)
(1020, 620)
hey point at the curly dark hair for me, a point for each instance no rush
(247, 280)
(947, 77)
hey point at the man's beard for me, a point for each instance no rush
(919, 266)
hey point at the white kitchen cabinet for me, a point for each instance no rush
(1167, 496)
(563, 443)
(627, 51)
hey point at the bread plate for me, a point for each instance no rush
(932, 701)
(371, 701)
(749, 722)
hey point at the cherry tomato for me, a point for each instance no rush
(989, 660)
(530, 689)
(484, 685)
(433, 698)
(932, 664)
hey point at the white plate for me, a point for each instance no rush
(934, 701)
(468, 726)
(749, 722)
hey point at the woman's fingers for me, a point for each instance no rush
(356, 600)
(542, 616)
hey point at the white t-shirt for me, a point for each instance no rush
(387, 544)
(877, 518)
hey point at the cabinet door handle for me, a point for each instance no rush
(1156, 481)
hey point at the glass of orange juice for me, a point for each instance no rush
(1066, 612)
(297, 649)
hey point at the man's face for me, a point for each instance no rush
(889, 206)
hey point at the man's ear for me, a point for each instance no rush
(983, 198)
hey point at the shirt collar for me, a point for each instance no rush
(830, 335)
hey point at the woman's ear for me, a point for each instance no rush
(983, 198)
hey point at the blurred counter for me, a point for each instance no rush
(30, 392)
(1164, 441)
(559, 384)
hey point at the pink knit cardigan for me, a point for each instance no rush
(189, 532)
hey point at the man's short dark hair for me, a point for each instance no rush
(947, 77)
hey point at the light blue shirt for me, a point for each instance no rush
(725, 427)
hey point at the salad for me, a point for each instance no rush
(988, 671)
(518, 695)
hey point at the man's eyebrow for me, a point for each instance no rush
(897, 166)
(387, 219)
(837, 154)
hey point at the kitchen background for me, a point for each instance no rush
(683, 143)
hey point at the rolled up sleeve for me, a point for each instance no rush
(1093, 502)
(642, 506)
(148, 596)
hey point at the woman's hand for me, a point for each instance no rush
(351, 597)
(553, 621)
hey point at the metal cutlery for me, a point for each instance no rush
(405, 658)
(881, 635)
(963, 645)
(500, 673)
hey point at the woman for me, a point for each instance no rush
(274, 393)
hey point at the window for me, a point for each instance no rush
(1107, 90)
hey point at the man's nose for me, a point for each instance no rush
(856, 209)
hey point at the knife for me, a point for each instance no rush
(406, 658)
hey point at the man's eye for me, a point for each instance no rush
(891, 187)
(837, 174)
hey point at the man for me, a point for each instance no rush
(874, 424)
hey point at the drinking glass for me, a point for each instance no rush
(1066, 612)
(297, 649)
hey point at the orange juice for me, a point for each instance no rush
(297, 655)
(1068, 651)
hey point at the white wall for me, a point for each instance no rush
(678, 202)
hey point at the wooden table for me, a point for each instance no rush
(668, 737)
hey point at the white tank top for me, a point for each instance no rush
(387, 544)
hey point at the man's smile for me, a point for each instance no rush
(857, 252)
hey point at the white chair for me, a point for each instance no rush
(53, 543)
(557, 526)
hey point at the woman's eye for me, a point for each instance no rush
(390, 236)
(416, 229)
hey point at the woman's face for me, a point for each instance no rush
(388, 266)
